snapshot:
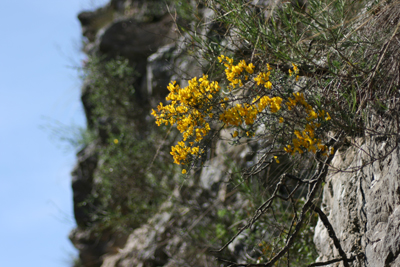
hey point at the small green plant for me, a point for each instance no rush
(110, 90)
(74, 136)
(126, 194)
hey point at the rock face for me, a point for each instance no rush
(165, 240)
(362, 204)
(119, 29)
(361, 200)
(151, 44)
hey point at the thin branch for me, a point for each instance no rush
(323, 263)
(257, 215)
(332, 234)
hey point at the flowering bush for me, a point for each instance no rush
(249, 100)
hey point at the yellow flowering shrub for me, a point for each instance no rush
(193, 108)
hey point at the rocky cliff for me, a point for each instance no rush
(134, 208)
(142, 37)
(361, 199)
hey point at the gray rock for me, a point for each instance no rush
(135, 40)
(82, 183)
(363, 206)
(159, 70)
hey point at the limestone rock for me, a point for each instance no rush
(135, 40)
(363, 207)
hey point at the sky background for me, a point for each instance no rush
(39, 88)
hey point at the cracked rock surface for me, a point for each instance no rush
(363, 206)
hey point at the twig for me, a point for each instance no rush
(257, 215)
(323, 263)
(384, 49)
(332, 234)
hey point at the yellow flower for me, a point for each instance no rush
(281, 120)
(328, 117)
(235, 133)
(249, 134)
(295, 68)
(183, 171)
(276, 159)
(250, 68)
(288, 149)
(115, 141)
(195, 150)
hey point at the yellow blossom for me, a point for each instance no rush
(195, 106)
(328, 117)
(295, 69)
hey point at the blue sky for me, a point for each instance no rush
(38, 84)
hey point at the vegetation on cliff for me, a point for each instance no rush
(292, 82)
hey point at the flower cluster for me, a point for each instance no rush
(247, 113)
(306, 139)
(193, 107)
(180, 152)
(263, 78)
(233, 72)
(188, 110)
